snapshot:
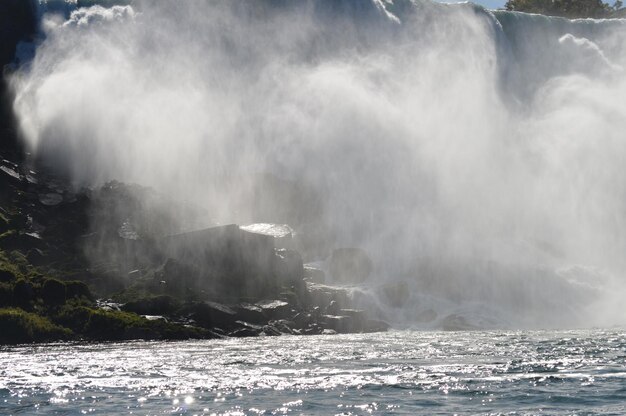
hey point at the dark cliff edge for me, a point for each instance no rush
(17, 23)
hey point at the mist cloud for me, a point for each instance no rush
(432, 136)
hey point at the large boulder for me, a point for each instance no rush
(232, 262)
(212, 315)
(350, 265)
(276, 309)
(282, 234)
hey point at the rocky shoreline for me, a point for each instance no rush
(223, 281)
(117, 262)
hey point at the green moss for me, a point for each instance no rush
(19, 326)
(100, 324)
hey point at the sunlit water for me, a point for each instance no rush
(566, 372)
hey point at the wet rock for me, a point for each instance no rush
(395, 294)
(108, 305)
(302, 320)
(329, 332)
(212, 315)
(155, 318)
(246, 329)
(283, 326)
(282, 234)
(271, 331)
(350, 265)
(244, 332)
(276, 309)
(322, 295)
(250, 313)
(341, 324)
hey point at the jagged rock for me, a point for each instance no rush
(246, 329)
(250, 313)
(283, 326)
(302, 320)
(395, 294)
(350, 265)
(276, 309)
(322, 295)
(271, 331)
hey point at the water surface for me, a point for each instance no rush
(400, 372)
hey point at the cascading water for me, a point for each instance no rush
(477, 156)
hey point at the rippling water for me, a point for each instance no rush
(401, 372)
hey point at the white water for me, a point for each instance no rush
(477, 156)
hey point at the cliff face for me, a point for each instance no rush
(17, 23)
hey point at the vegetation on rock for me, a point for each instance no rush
(572, 9)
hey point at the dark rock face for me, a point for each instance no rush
(157, 305)
(350, 265)
(17, 23)
(232, 262)
(212, 315)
